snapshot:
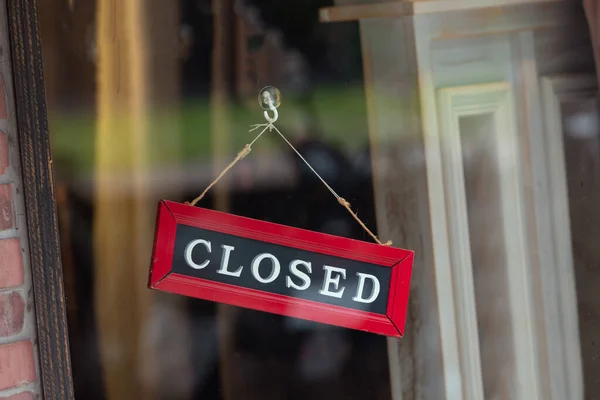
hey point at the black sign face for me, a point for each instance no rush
(281, 270)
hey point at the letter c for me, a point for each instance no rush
(188, 253)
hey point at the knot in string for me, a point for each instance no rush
(243, 153)
(346, 205)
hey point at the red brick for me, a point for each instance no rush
(3, 152)
(11, 263)
(16, 364)
(3, 112)
(12, 311)
(20, 396)
(7, 219)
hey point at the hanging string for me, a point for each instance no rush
(340, 199)
(245, 151)
(270, 126)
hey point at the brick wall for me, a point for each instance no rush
(18, 364)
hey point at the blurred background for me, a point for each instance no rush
(151, 99)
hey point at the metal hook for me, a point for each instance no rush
(272, 107)
(275, 115)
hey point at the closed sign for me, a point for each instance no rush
(279, 269)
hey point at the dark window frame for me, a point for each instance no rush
(40, 200)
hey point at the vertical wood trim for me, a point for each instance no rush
(562, 325)
(476, 100)
(437, 209)
(537, 216)
(42, 221)
(453, 103)
(401, 196)
(393, 345)
(462, 283)
(562, 247)
(518, 261)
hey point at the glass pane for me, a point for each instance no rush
(152, 100)
(441, 130)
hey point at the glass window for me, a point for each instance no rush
(467, 133)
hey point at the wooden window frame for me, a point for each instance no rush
(561, 318)
(459, 324)
(40, 201)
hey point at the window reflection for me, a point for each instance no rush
(151, 99)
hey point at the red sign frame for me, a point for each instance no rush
(170, 214)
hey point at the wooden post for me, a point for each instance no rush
(137, 72)
(121, 298)
(223, 78)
